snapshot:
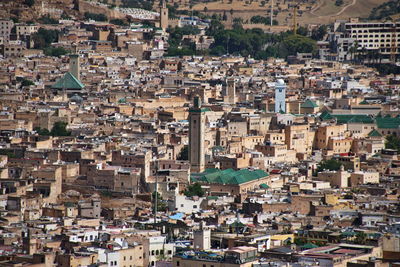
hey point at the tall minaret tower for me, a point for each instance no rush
(74, 67)
(164, 16)
(230, 96)
(280, 96)
(197, 121)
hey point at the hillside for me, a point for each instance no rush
(388, 10)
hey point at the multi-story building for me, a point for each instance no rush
(26, 29)
(354, 37)
(237, 256)
(5, 29)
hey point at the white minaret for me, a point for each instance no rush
(197, 122)
(280, 96)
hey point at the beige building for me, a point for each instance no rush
(359, 178)
(325, 132)
(338, 179)
(77, 259)
(299, 138)
(339, 144)
(26, 29)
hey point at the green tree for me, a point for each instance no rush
(26, 82)
(55, 51)
(60, 129)
(194, 190)
(29, 3)
(65, 16)
(161, 206)
(339, 2)
(43, 38)
(95, 16)
(184, 154)
(299, 44)
(319, 33)
(392, 142)
(361, 238)
(48, 20)
(330, 164)
(118, 22)
(42, 131)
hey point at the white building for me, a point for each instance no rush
(186, 205)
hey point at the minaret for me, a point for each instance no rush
(164, 16)
(280, 96)
(230, 91)
(197, 121)
(74, 67)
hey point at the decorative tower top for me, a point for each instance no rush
(197, 102)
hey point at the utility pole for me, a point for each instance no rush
(272, 11)
(294, 19)
(155, 195)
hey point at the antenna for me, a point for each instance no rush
(294, 19)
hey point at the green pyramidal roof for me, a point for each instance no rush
(309, 104)
(68, 81)
(374, 133)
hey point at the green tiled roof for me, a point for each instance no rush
(387, 122)
(68, 81)
(228, 176)
(309, 104)
(374, 133)
(264, 186)
(346, 118)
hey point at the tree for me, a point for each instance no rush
(44, 38)
(48, 20)
(95, 16)
(29, 3)
(194, 190)
(118, 22)
(319, 33)
(161, 206)
(42, 131)
(392, 142)
(299, 44)
(184, 154)
(60, 129)
(330, 164)
(339, 2)
(26, 82)
(55, 51)
(361, 238)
